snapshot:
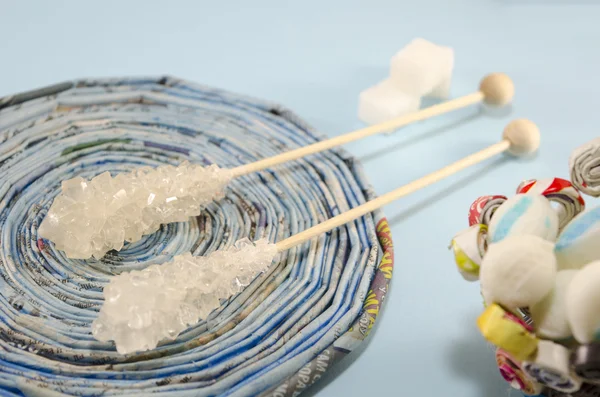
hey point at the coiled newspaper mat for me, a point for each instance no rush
(275, 338)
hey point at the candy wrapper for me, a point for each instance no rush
(513, 373)
(551, 368)
(483, 208)
(584, 164)
(469, 246)
(508, 332)
(559, 191)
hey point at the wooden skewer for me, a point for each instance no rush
(520, 137)
(495, 89)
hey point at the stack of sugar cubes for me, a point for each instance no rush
(420, 69)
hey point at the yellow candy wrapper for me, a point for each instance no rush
(506, 331)
(469, 246)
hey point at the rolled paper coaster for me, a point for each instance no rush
(48, 302)
(577, 244)
(584, 165)
(511, 371)
(585, 361)
(551, 367)
(483, 208)
(557, 190)
(469, 246)
(524, 214)
(506, 331)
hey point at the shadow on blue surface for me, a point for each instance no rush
(434, 198)
(464, 357)
(419, 138)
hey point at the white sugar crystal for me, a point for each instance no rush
(90, 218)
(423, 68)
(384, 102)
(141, 308)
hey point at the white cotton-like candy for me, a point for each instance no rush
(519, 271)
(583, 303)
(141, 308)
(383, 102)
(579, 242)
(423, 68)
(90, 218)
(524, 214)
(550, 314)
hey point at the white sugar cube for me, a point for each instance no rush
(423, 68)
(442, 90)
(385, 101)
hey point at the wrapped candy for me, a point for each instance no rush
(577, 244)
(551, 368)
(587, 390)
(559, 191)
(521, 215)
(525, 316)
(584, 164)
(483, 208)
(506, 331)
(513, 373)
(469, 246)
(585, 361)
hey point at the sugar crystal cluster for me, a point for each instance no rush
(420, 69)
(141, 308)
(90, 218)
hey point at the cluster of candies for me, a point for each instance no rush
(537, 258)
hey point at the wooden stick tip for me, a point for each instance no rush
(523, 135)
(498, 89)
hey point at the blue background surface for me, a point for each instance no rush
(315, 57)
